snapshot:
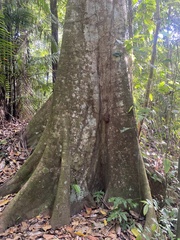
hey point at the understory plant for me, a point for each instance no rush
(98, 197)
(165, 229)
(120, 212)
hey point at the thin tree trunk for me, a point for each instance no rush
(152, 62)
(130, 30)
(54, 36)
(178, 221)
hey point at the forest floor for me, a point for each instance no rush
(90, 224)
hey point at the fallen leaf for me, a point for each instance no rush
(98, 225)
(135, 232)
(112, 235)
(134, 214)
(75, 223)
(88, 210)
(46, 227)
(80, 234)
(4, 202)
(104, 213)
(34, 234)
(105, 222)
(35, 226)
(24, 226)
(48, 236)
(92, 238)
(118, 230)
(70, 230)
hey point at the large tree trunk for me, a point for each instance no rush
(90, 138)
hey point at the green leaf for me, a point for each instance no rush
(134, 2)
(167, 60)
(167, 165)
(3, 142)
(124, 215)
(139, 237)
(117, 54)
(151, 97)
(163, 87)
(154, 227)
(124, 129)
(145, 209)
(130, 109)
(135, 232)
(76, 188)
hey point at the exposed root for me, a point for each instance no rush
(151, 218)
(61, 208)
(36, 195)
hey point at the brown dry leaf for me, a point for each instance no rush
(11, 230)
(35, 226)
(124, 236)
(17, 237)
(96, 210)
(75, 223)
(92, 238)
(99, 235)
(17, 153)
(98, 225)
(83, 223)
(39, 217)
(46, 227)
(33, 235)
(4, 202)
(134, 214)
(112, 235)
(132, 238)
(70, 230)
(48, 236)
(118, 230)
(88, 210)
(24, 226)
(64, 236)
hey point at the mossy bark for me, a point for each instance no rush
(37, 125)
(90, 138)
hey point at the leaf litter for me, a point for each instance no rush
(90, 224)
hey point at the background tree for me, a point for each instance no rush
(160, 130)
(178, 223)
(5, 50)
(17, 18)
(164, 93)
(54, 32)
(29, 62)
(90, 138)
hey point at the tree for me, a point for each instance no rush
(5, 52)
(178, 221)
(17, 20)
(90, 138)
(152, 61)
(54, 32)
